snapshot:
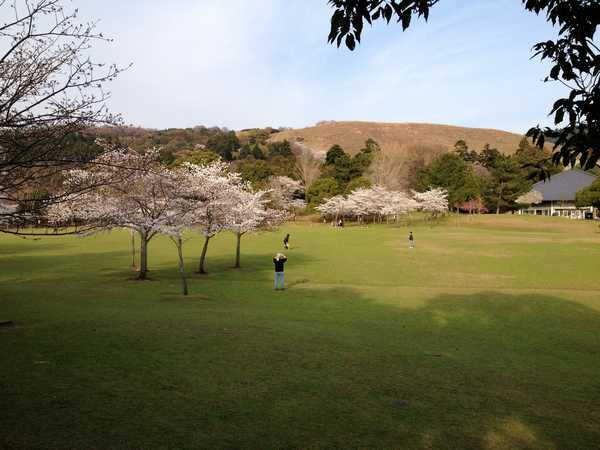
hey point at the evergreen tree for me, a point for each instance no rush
(256, 172)
(320, 190)
(462, 149)
(257, 152)
(356, 183)
(362, 160)
(245, 151)
(505, 184)
(589, 196)
(224, 143)
(333, 154)
(451, 172)
(487, 157)
(280, 149)
(534, 160)
(338, 165)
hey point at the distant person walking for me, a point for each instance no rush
(279, 260)
(411, 240)
(286, 241)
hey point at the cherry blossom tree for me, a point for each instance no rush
(216, 187)
(381, 199)
(399, 203)
(180, 218)
(336, 207)
(120, 189)
(379, 202)
(283, 192)
(474, 205)
(434, 201)
(138, 193)
(50, 89)
(531, 198)
(369, 202)
(249, 213)
(359, 203)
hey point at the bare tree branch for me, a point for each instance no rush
(50, 90)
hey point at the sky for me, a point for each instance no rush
(256, 63)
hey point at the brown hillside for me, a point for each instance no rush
(398, 138)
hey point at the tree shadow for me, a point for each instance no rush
(482, 371)
(487, 370)
(222, 266)
(28, 265)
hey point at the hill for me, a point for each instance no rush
(397, 138)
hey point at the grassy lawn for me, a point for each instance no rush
(488, 333)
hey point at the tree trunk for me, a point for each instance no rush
(237, 250)
(203, 255)
(133, 266)
(143, 256)
(499, 199)
(184, 286)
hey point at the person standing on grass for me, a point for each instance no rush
(279, 260)
(411, 240)
(286, 241)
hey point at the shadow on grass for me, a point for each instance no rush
(16, 247)
(481, 371)
(18, 260)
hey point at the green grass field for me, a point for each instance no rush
(489, 332)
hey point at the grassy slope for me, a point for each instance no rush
(399, 137)
(490, 330)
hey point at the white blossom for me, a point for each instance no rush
(434, 201)
(337, 206)
(283, 191)
(379, 202)
(531, 198)
(124, 189)
(248, 213)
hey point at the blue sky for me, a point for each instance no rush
(254, 63)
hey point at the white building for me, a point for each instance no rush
(558, 195)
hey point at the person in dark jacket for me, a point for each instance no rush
(286, 241)
(411, 240)
(279, 260)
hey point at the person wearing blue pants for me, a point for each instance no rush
(279, 260)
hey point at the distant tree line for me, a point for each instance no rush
(482, 180)
(485, 180)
